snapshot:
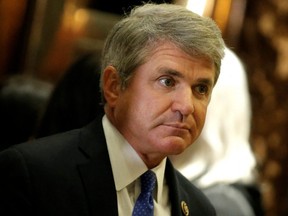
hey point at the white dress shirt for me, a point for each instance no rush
(127, 167)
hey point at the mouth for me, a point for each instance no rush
(179, 126)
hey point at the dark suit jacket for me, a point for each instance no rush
(70, 174)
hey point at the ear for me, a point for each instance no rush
(111, 85)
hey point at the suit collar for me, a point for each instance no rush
(178, 194)
(173, 184)
(96, 173)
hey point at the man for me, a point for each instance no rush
(159, 67)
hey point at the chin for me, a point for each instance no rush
(176, 146)
(178, 151)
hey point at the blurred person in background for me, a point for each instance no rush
(76, 98)
(22, 102)
(221, 161)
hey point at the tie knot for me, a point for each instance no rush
(148, 180)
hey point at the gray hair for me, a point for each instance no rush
(135, 37)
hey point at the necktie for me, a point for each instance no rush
(144, 203)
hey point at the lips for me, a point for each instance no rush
(179, 126)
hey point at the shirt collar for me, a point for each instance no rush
(126, 164)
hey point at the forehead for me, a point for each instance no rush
(169, 48)
(169, 59)
(170, 52)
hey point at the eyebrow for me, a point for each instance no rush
(169, 71)
(206, 81)
(172, 72)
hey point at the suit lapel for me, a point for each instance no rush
(181, 193)
(96, 173)
(185, 198)
(174, 193)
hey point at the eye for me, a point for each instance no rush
(202, 89)
(167, 81)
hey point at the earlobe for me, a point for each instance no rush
(111, 85)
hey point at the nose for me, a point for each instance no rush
(183, 102)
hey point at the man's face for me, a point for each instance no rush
(163, 108)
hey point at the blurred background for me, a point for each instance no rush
(41, 38)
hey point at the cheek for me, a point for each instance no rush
(145, 103)
(133, 110)
(200, 115)
(122, 110)
(142, 112)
